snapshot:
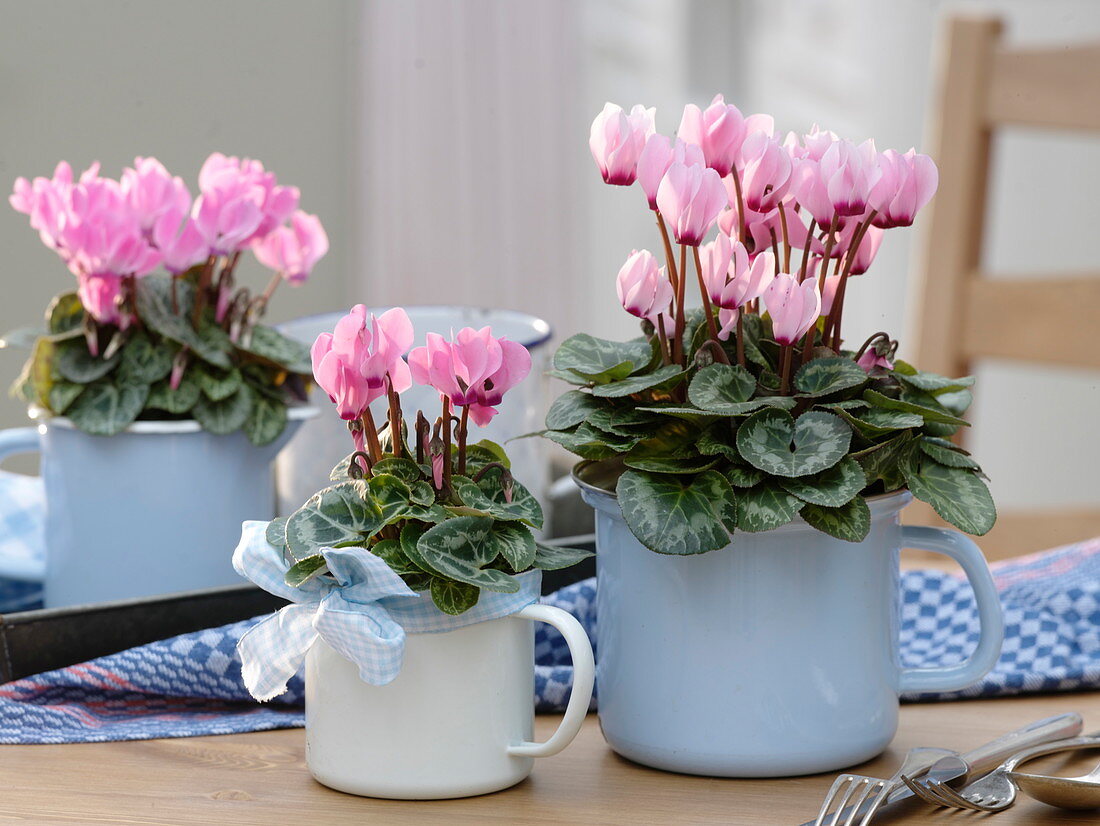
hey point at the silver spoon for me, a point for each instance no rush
(1064, 792)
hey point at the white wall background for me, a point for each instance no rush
(443, 142)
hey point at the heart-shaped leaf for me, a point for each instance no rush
(217, 384)
(766, 507)
(779, 445)
(824, 376)
(227, 415)
(636, 384)
(177, 401)
(599, 360)
(454, 598)
(390, 552)
(515, 543)
(830, 488)
(143, 361)
(266, 420)
(556, 557)
(461, 548)
(104, 409)
(716, 442)
(673, 515)
(483, 453)
(340, 514)
(882, 461)
(946, 453)
(62, 394)
(570, 409)
(956, 494)
(717, 386)
(404, 469)
(76, 364)
(850, 522)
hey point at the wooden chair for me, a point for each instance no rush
(965, 315)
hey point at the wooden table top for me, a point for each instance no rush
(260, 778)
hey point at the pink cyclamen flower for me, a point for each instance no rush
(617, 140)
(849, 173)
(657, 156)
(868, 246)
(766, 173)
(294, 250)
(907, 184)
(45, 201)
(690, 199)
(744, 278)
(643, 287)
(817, 141)
(179, 241)
(352, 362)
(105, 240)
(151, 191)
(276, 203)
(794, 308)
(101, 296)
(473, 371)
(870, 360)
(719, 130)
(227, 216)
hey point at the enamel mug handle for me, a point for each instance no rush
(963, 550)
(584, 677)
(14, 441)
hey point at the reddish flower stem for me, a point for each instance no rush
(463, 430)
(712, 328)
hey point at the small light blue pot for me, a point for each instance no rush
(155, 509)
(774, 656)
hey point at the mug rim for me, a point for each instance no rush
(295, 413)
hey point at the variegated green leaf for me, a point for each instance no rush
(824, 376)
(75, 363)
(957, 494)
(946, 453)
(271, 346)
(266, 420)
(342, 513)
(636, 384)
(154, 305)
(850, 522)
(62, 394)
(777, 444)
(930, 414)
(180, 400)
(570, 409)
(674, 515)
(830, 488)
(876, 421)
(227, 415)
(765, 507)
(144, 361)
(718, 385)
(304, 570)
(217, 384)
(104, 409)
(556, 557)
(599, 360)
(454, 598)
(488, 496)
(461, 548)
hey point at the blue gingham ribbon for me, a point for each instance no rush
(363, 611)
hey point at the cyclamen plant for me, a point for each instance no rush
(750, 411)
(444, 513)
(131, 344)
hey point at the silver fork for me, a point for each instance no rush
(996, 791)
(850, 792)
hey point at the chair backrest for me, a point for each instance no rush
(965, 315)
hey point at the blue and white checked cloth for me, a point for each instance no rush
(363, 612)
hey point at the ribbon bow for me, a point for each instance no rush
(363, 611)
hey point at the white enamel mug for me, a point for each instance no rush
(456, 722)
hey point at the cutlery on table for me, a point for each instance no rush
(997, 790)
(953, 768)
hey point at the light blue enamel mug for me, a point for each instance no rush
(774, 656)
(152, 510)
